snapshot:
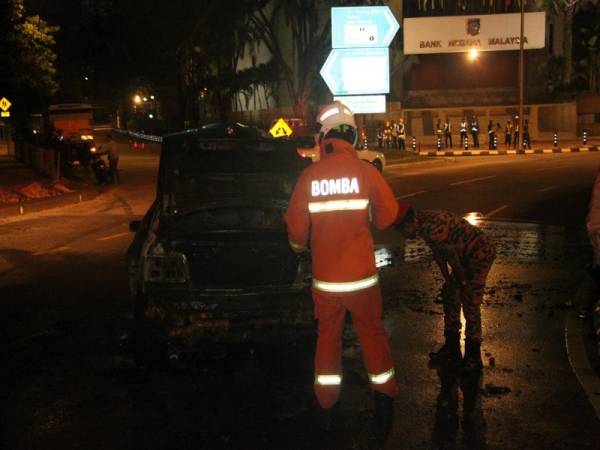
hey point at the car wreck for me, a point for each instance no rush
(210, 260)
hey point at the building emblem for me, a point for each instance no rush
(473, 27)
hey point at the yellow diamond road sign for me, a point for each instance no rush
(5, 104)
(280, 129)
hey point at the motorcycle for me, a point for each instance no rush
(99, 168)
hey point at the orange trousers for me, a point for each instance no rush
(365, 309)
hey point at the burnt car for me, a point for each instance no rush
(210, 260)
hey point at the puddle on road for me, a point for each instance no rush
(515, 242)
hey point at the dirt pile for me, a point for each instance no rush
(35, 190)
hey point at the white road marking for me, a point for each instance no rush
(114, 236)
(472, 180)
(412, 194)
(543, 169)
(54, 250)
(496, 211)
(549, 188)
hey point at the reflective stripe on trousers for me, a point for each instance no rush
(335, 380)
(354, 204)
(382, 378)
(328, 380)
(297, 247)
(349, 286)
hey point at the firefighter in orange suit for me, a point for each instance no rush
(331, 205)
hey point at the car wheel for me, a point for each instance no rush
(378, 165)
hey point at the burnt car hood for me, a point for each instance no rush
(233, 244)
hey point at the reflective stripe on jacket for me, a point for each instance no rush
(330, 205)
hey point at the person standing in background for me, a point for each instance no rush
(475, 131)
(463, 132)
(447, 133)
(402, 134)
(508, 130)
(113, 160)
(516, 133)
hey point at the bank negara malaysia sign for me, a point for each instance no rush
(491, 32)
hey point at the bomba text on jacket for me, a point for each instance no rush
(335, 187)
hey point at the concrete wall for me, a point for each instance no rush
(588, 115)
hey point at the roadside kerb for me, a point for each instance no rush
(42, 204)
(588, 378)
(536, 151)
(398, 163)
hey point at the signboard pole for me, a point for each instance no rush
(521, 72)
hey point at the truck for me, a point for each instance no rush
(74, 121)
(71, 129)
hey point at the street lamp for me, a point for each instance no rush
(473, 54)
(137, 99)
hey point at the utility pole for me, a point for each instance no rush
(521, 74)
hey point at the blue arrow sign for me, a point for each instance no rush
(362, 26)
(357, 71)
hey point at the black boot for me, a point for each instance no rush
(472, 361)
(384, 416)
(450, 352)
(329, 417)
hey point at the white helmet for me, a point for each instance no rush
(336, 116)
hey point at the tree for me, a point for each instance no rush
(587, 49)
(208, 56)
(28, 52)
(310, 38)
(566, 9)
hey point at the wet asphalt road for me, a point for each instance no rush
(70, 381)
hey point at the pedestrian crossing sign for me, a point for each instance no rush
(5, 104)
(280, 129)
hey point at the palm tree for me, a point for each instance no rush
(566, 9)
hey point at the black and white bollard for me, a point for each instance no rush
(555, 139)
(495, 142)
(414, 144)
(439, 143)
(466, 143)
(584, 137)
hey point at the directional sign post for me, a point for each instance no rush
(359, 62)
(362, 26)
(353, 71)
(363, 104)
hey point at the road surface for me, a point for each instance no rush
(71, 383)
